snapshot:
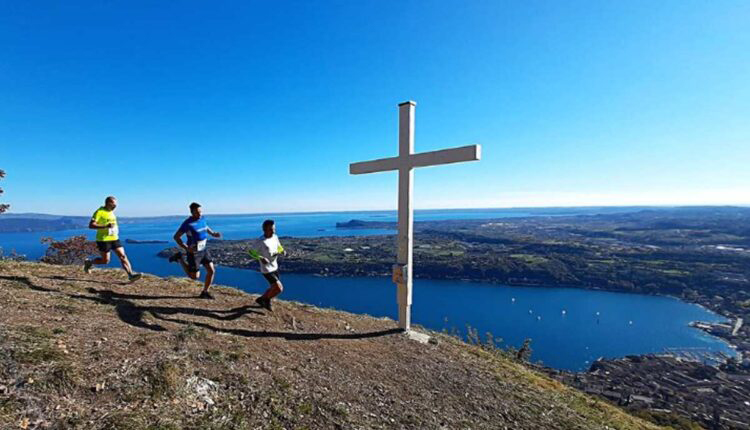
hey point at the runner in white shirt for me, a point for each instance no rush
(267, 250)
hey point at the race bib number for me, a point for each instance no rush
(113, 231)
(201, 245)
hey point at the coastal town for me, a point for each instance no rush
(670, 386)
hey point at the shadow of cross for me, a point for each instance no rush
(287, 335)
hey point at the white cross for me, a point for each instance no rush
(405, 163)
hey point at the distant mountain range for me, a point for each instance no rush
(30, 222)
(17, 223)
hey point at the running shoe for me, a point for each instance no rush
(264, 303)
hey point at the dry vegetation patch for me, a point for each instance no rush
(82, 351)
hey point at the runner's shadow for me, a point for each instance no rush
(127, 311)
(136, 296)
(64, 278)
(132, 313)
(26, 281)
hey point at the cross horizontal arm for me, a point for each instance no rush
(446, 156)
(423, 159)
(380, 165)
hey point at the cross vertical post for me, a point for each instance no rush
(405, 212)
(405, 163)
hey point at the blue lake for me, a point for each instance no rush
(594, 324)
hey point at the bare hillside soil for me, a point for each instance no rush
(82, 351)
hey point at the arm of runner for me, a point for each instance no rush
(95, 226)
(215, 234)
(255, 255)
(178, 238)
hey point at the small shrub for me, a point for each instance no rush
(215, 355)
(63, 378)
(10, 406)
(40, 354)
(35, 334)
(67, 308)
(305, 408)
(35, 346)
(281, 383)
(187, 333)
(12, 256)
(472, 335)
(492, 342)
(164, 379)
(125, 421)
(220, 419)
(524, 353)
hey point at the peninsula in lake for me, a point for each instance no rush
(700, 254)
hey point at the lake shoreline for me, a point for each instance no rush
(530, 285)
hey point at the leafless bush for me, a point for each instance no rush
(11, 256)
(524, 354)
(3, 207)
(72, 250)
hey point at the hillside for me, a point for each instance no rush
(92, 351)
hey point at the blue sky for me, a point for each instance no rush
(260, 106)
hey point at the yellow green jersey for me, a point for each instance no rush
(102, 216)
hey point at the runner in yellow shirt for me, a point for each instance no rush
(104, 222)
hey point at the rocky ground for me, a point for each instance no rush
(93, 351)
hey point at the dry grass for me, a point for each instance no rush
(90, 352)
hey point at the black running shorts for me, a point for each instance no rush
(272, 277)
(195, 259)
(108, 245)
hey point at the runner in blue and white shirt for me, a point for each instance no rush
(196, 252)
